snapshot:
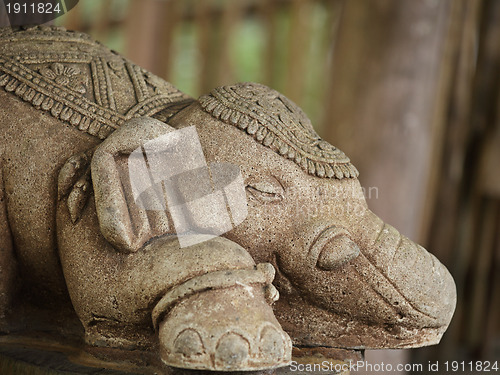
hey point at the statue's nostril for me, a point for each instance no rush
(336, 252)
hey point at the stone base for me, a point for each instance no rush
(20, 355)
(40, 356)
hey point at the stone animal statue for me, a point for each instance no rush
(75, 241)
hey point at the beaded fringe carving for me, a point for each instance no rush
(80, 113)
(56, 108)
(328, 162)
(43, 91)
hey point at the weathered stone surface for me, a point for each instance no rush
(346, 279)
(76, 240)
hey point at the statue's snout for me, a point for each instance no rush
(373, 286)
(409, 278)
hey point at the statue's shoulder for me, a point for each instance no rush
(78, 80)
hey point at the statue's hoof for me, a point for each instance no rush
(222, 321)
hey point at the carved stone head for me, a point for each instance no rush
(346, 278)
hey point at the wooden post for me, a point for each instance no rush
(389, 89)
(389, 81)
(145, 18)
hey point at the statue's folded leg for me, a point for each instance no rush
(233, 326)
(205, 306)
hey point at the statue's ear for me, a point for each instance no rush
(74, 183)
(123, 222)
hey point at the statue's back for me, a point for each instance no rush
(61, 94)
(78, 80)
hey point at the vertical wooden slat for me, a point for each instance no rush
(216, 23)
(171, 12)
(280, 55)
(443, 237)
(231, 15)
(442, 233)
(485, 281)
(101, 26)
(4, 20)
(204, 35)
(387, 103)
(317, 70)
(482, 260)
(387, 72)
(445, 90)
(298, 39)
(492, 322)
(144, 19)
(483, 113)
(268, 11)
(73, 20)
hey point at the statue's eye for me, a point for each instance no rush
(265, 191)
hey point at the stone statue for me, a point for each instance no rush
(76, 239)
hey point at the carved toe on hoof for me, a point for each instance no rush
(189, 344)
(182, 346)
(273, 343)
(232, 352)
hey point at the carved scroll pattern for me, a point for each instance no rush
(279, 124)
(58, 86)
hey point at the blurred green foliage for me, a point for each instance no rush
(248, 47)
